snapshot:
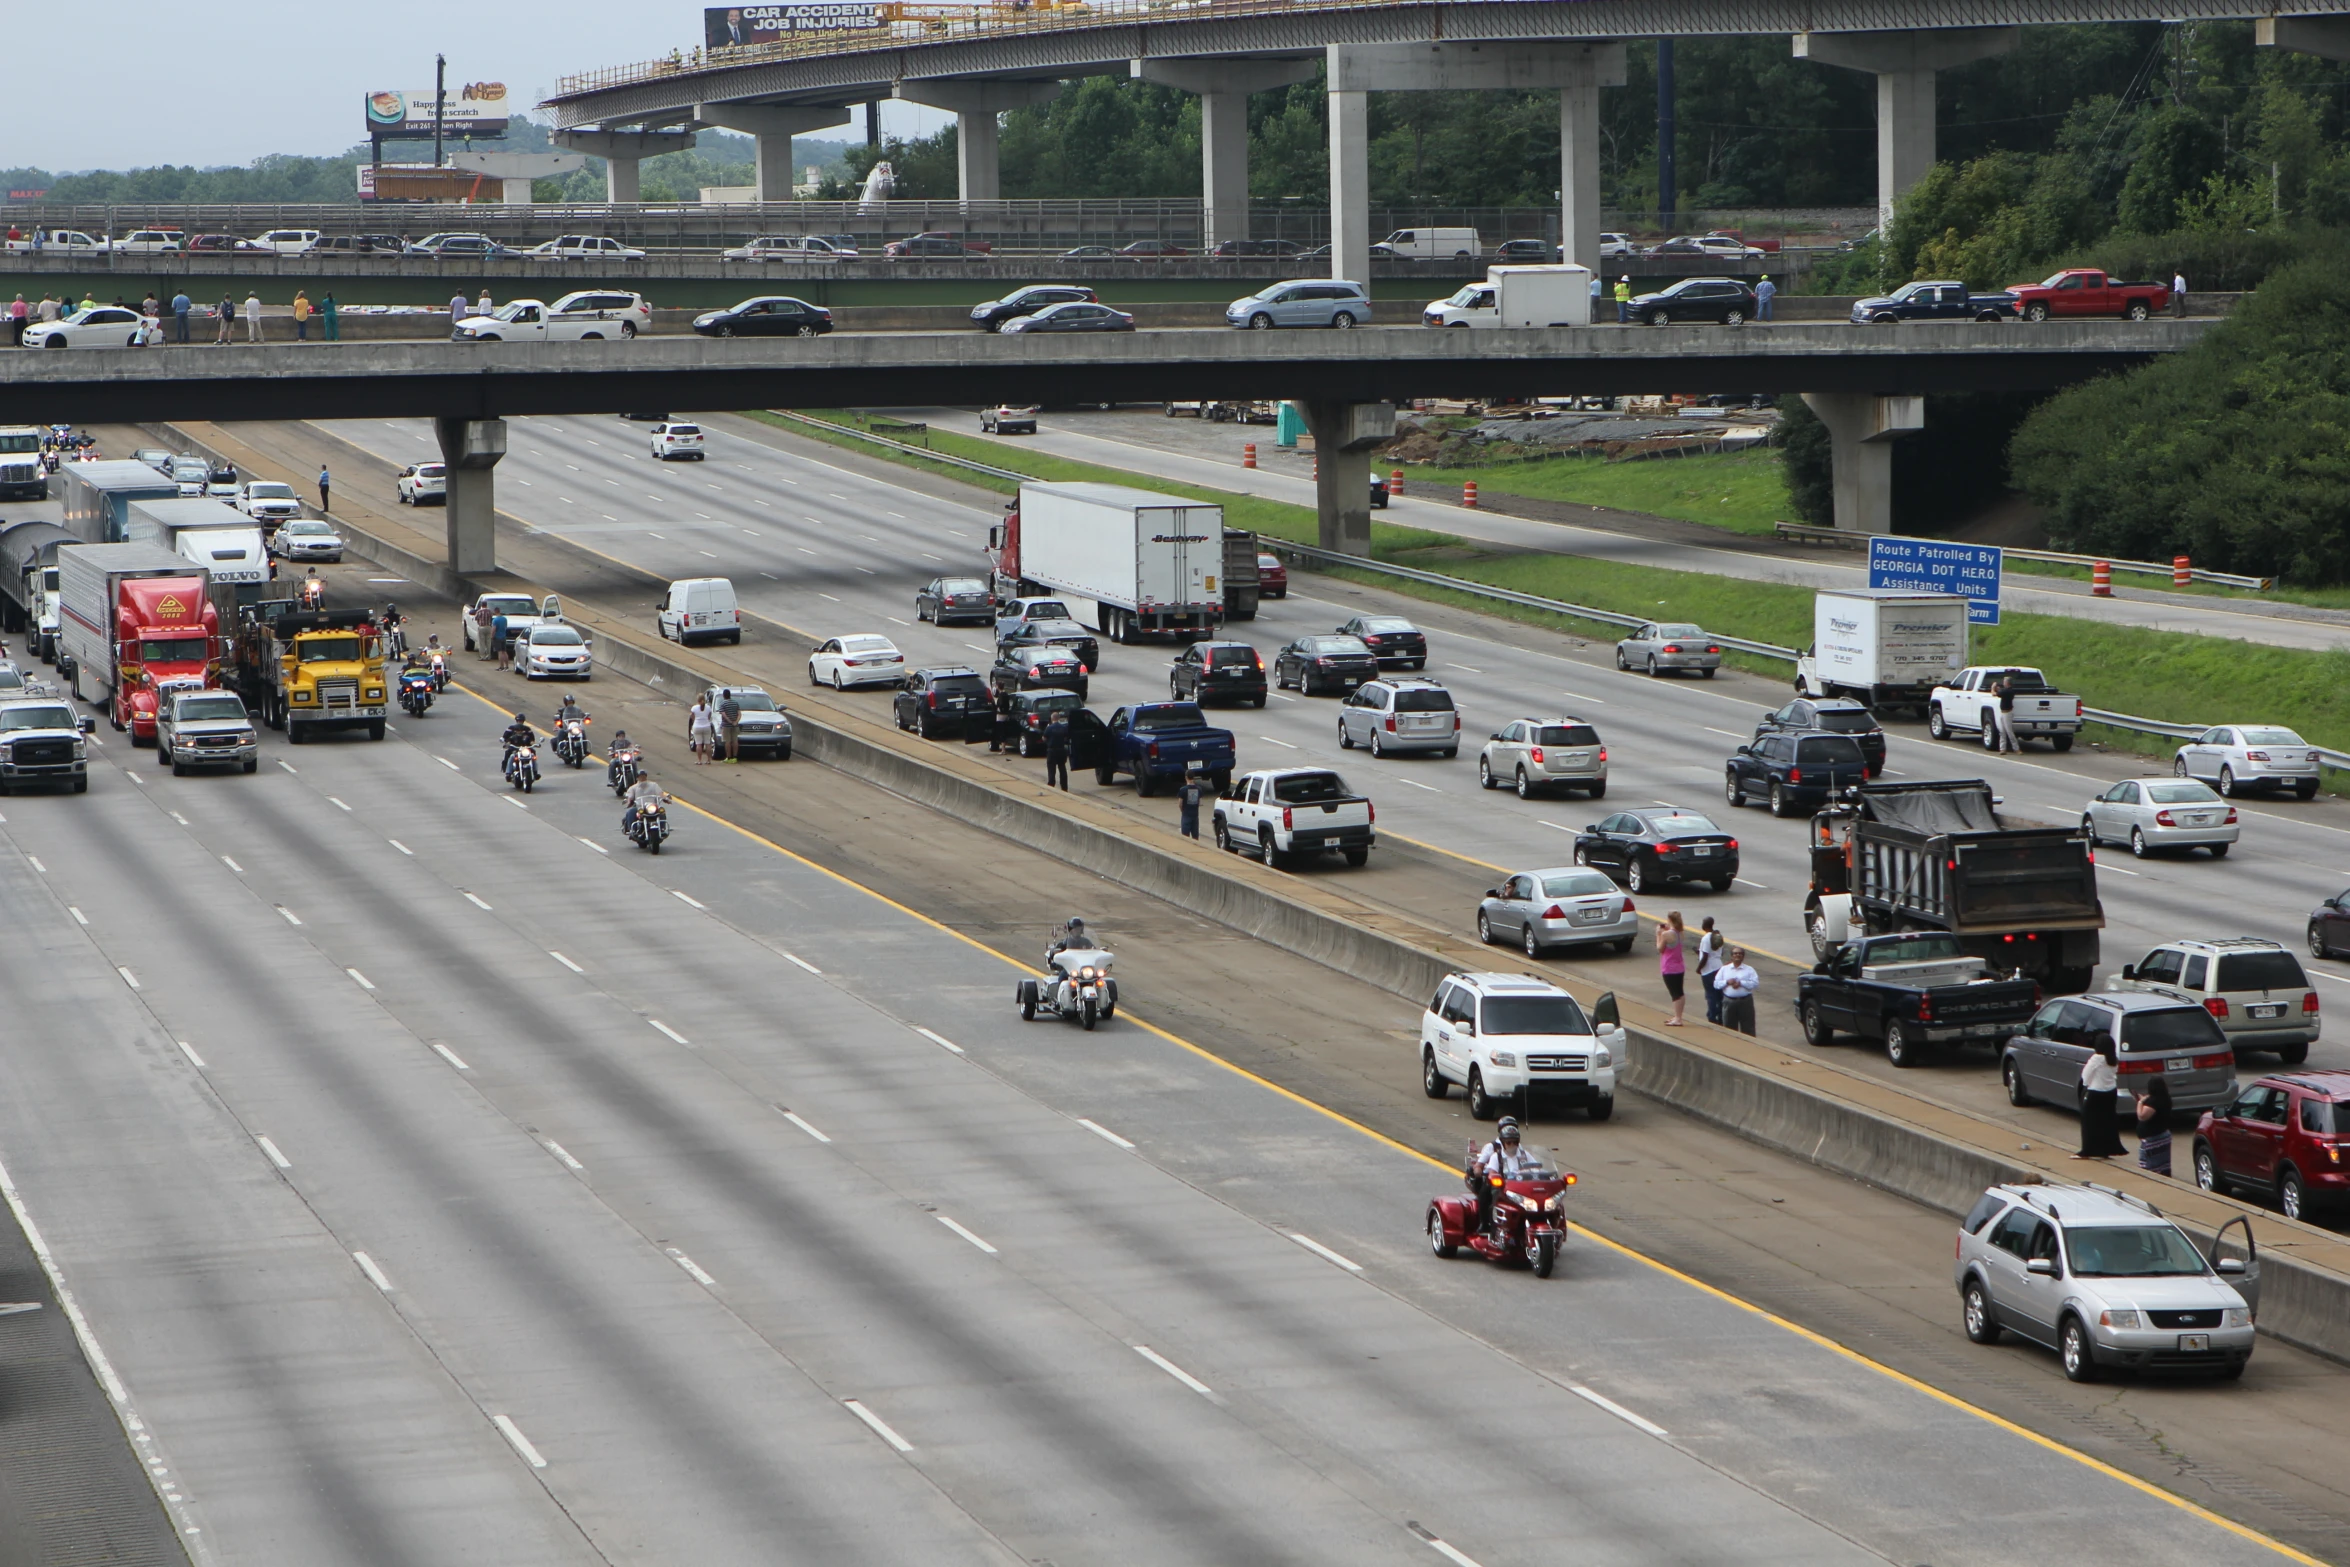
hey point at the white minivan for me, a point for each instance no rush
(700, 609)
(1433, 244)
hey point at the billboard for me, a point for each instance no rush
(730, 26)
(1971, 571)
(476, 109)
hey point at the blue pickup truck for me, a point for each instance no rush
(1158, 742)
(1941, 300)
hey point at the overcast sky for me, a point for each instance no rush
(231, 81)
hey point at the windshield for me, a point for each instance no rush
(1928, 947)
(2133, 1251)
(305, 528)
(962, 683)
(1045, 609)
(20, 443)
(1053, 702)
(1831, 749)
(554, 636)
(754, 701)
(1681, 826)
(2331, 1117)
(1310, 788)
(1225, 657)
(1531, 1165)
(265, 491)
(1532, 1015)
(174, 650)
(1846, 721)
(1173, 715)
(1423, 701)
(1566, 734)
(2272, 737)
(1474, 294)
(510, 605)
(962, 585)
(2183, 793)
(1576, 884)
(36, 718)
(1682, 630)
(194, 709)
(2025, 682)
(190, 468)
(1340, 647)
(2171, 1028)
(10, 679)
(2276, 970)
(324, 650)
(865, 645)
(1386, 625)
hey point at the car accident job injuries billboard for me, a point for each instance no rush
(731, 26)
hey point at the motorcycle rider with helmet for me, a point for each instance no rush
(518, 734)
(1503, 1157)
(1071, 938)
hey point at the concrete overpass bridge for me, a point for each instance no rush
(1867, 385)
(978, 64)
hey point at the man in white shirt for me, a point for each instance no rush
(2178, 294)
(253, 318)
(1737, 981)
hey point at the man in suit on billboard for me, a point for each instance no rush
(725, 28)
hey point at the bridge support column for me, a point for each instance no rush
(471, 448)
(1861, 432)
(1223, 88)
(1904, 64)
(773, 125)
(622, 152)
(1350, 198)
(2327, 37)
(1577, 70)
(1345, 434)
(975, 106)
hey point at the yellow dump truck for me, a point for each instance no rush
(307, 670)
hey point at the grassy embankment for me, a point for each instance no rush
(2162, 675)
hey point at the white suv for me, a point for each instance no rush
(1503, 1036)
(288, 242)
(2104, 1280)
(424, 483)
(678, 440)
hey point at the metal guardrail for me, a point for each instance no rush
(1845, 539)
(923, 452)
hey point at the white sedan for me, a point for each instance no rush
(2162, 813)
(843, 662)
(554, 651)
(99, 326)
(306, 538)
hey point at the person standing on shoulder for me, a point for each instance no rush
(253, 317)
(1709, 963)
(301, 316)
(698, 731)
(334, 324)
(1737, 981)
(2154, 1111)
(18, 313)
(181, 304)
(324, 481)
(1764, 292)
(458, 308)
(1188, 797)
(730, 725)
(1623, 300)
(2006, 717)
(1056, 752)
(1672, 963)
(2178, 307)
(226, 310)
(2100, 1084)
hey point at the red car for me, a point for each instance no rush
(2285, 1137)
(2085, 291)
(1272, 577)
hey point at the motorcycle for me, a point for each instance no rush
(416, 691)
(312, 594)
(621, 772)
(437, 660)
(1525, 1225)
(522, 767)
(396, 636)
(1077, 987)
(647, 829)
(571, 741)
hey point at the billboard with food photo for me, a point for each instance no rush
(731, 26)
(475, 109)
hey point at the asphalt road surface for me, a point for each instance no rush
(449, 1182)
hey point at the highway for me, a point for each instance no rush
(447, 1182)
(828, 544)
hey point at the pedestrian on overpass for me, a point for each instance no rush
(1764, 292)
(1056, 751)
(323, 482)
(334, 324)
(458, 308)
(1623, 300)
(181, 304)
(2178, 307)
(1738, 982)
(302, 331)
(253, 317)
(226, 310)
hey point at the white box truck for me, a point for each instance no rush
(1152, 564)
(217, 537)
(1884, 648)
(1518, 296)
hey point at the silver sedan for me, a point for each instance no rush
(2161, 813)
(2237, 757)
(1566, 907)
(1670, 646)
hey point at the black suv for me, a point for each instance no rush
(1037, 668)
(1815, 715)
(1722, 299)
(1208, 670)
(1794, 772)
(950, 701)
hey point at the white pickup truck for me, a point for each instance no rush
(520, 611)
(1288, 813)
(1969, 704)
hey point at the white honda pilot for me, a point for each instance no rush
(1506, 1037)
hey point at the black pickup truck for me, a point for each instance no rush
(1911, 990)
(1936, 301)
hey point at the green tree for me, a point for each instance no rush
(2174, 151)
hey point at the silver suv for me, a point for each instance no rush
(1399, 714)
(2104, 1280)
(1535, 756)
(2255, 989)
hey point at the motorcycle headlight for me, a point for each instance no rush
(1558, 1201)
(1086, 972)
(1527, 1203)
(1505, 1058)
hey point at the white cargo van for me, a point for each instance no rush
(1434, 244)
(1518, 296)
(700, 609)
(1882, 647)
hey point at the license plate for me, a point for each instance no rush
(2179, 1064)
(1703, 849)
(2195, 1343)
(2271, 1011)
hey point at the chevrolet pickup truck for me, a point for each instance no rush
(1911, 990)
(1969, 704)
(1936, 301)
(2085, 291)
(1158, 742)
(1288, 812)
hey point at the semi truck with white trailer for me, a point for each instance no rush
(1884, 648)
(28, 583)
(98, 495)
(1152, 564)
(135, 623)
(219, 538)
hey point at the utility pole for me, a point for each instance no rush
(1665, 174)
(440, 99)
(873, 126)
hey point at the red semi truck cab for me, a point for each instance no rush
(2085, 291)
(167, 638)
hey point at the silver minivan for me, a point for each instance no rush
(1535, 756)
(1319, 301)
(1399, 715)
(2151, 1034)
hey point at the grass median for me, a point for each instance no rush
(2165, 675)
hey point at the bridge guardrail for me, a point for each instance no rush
(1841, 538)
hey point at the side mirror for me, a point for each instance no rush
(86, 725)
(1496, 735)
(1467, 1025)
(1746, 750)
(2129, 971)
(1493, 892)
(2043, 1266)
(2231, 1265)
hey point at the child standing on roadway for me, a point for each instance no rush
(1673, 963)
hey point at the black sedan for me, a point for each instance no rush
(772, 315)
(1037, 669)
(1235, 249)
(1053, 633)
(1027, 302)
(1794, 772)
(1832, 716)
(1316, 664)
(1657, 847)
(1722, 299)
(1142, 248)
(1217, 671)
(1076, 315)
(948, 600)
(1393, 640)
(947, 701)
(1090, 253)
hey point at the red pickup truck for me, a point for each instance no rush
(2085, 291)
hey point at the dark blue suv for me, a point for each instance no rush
(1796, 773)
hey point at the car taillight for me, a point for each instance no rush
(2231, 816)
(1370, 812)
(2127, 1067)
(1713, 650)
(1603, 753)
(1731, 846)
(2217, 1006)
(931, 698)
(1925, 1006)
(1628, 908)
(1538, 756)
(1390, 723)
(2308, 1002)
(2225, 1058)
(1288, 818)
(1672, 647)
(1554, 912)
(2163, 819)
(1795, 775)
(2256, 756)
(1154, 750)
(1456, 723)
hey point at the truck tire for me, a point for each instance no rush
(1145, 784)
(2136, 311)
(1105, 776)
(1990, 731)
(1816, 1031)
(2061, 742)
(1265, 850)
(1935, 724)
(296, 734)
(1358, 857)
(375, 731)
(2036, 311)
(1900, 1049)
